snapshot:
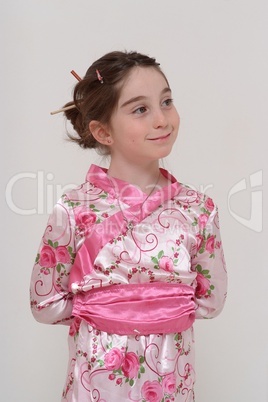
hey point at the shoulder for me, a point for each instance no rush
(83, 194)
(191, 200)
(90, 189)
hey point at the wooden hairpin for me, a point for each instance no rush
(70, 106)
(63, 109)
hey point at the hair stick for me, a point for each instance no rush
(76, 75)
(63, 109)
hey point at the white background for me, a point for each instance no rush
(215, 55)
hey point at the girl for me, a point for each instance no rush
(131, 257)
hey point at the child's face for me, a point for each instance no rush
(145, 124)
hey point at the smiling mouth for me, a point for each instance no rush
(162, 137)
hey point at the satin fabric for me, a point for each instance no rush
(142, 309)
(89, 266)
(138, 208)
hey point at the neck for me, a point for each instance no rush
(144, 177)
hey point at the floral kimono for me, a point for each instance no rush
(129, 274)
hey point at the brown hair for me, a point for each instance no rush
(96, 100)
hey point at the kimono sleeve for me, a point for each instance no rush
(209, 265)
(51, 301)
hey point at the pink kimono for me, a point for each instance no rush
(129, 274)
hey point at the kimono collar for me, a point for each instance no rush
(127, 192)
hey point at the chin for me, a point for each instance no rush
(165, 153)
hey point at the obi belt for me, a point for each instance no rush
(137, 309)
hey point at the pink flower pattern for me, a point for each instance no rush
(202, 220)
(209, 204)
(203, 285)
(166, 264)
(84, 219)
(210, 244)
(169, 383)
(130, 365)
(152, 391)
(178, 242)
(62, 255)
(47, 257)
(113, 359)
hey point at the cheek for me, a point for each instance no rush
(132, 138)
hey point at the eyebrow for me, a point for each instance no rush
(141, 97)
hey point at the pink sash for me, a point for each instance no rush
(138, 309)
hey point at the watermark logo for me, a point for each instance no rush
(255, 221)
(46, 193)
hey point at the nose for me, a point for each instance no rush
(159, 119)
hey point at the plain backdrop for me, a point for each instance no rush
(215, 54)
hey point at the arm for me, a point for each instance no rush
(209, 265)
(51, 301)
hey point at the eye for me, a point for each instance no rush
(140, 110)
(168, 102)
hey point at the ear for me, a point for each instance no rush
(100, 132)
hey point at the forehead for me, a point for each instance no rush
(142, 81)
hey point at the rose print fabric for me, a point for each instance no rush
(90, 246)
